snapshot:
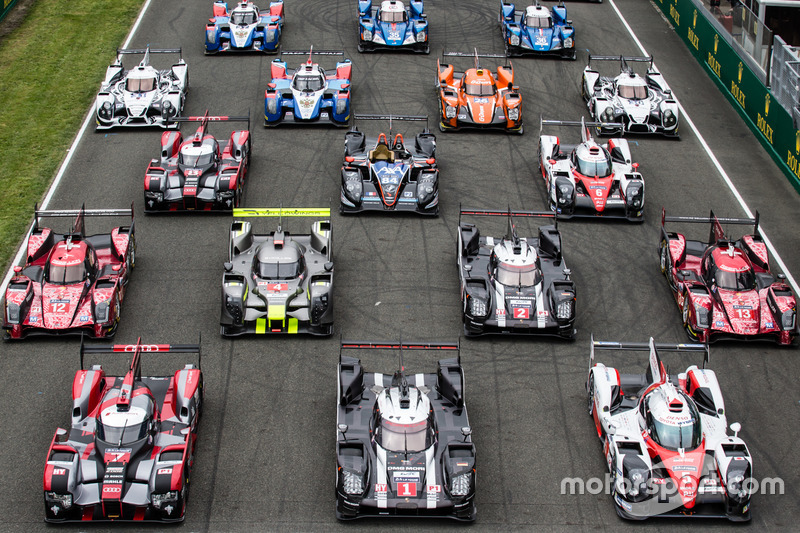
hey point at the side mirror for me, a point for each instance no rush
(466, 431)
(18, 269)
(468, 268)
(612, 429)
(736, 427)
(228, 266)
(328, 266)
(781, 277)
(345, 86)
(271, 85)
(61, 435)
(635, 166)
(212, 21)
(567, 273)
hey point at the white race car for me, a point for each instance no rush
(590, 179)
(641, 104)
(666, 440)
(143, 95)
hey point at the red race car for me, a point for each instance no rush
(724, 287)
(71, 282)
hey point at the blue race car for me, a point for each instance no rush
(537, 31)
(392, 26)
(308, 95)
(245, 28)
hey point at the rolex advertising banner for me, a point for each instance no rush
(7, 5)
(771, 123)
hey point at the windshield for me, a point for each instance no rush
(278, 270)
(308, 83)
(735, 281)
(195, 158)
(518, 276)
(140, 85)
(539, 22)
(123, 427)
(485, 89)
(672, 436)
(393, 16)
(599, 168)
(243, 17)
(632, 92)
(65, 274)
(396, 437)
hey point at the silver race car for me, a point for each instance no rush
(143, 95)
(641, 104)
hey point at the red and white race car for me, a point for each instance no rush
(71, 282)
(665, 438)
(724, 287)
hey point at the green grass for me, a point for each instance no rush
(50, 70)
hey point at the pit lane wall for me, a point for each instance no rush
(771, 123)
(7, 5)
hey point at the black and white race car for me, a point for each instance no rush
(387, 174)
(590, 179)
(143, 95)
(665, 438)
(403, 442)
(641, 104)
(278, 282)
(513, 284)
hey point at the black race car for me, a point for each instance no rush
(130, 448)
(403, 442)
(513, 284)
(385, 174)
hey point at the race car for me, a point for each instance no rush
(379, 176)
(193, 174)
(129, 451)
(478, 99)
(537, 30)
(404, 445)
(665, 438)
(72, 283)
(639, 104)
(512, 284)
(143, 95)
(724, 287)
(245, 28)
(278, 282)
(589, 179)
(392, 26)
(308, 95)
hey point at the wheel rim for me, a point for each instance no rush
(664, 261)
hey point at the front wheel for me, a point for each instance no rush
(686, 313)
(664, 257)
(590, 394)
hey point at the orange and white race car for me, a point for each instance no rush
(478, 98)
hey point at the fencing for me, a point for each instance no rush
(785, 79)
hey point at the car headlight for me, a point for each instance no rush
(564, 310)
(513, 40)
(163, 500)
(167, 109)
(366, 35)
(62, 500)
(565, 191)
(352, 482)
(701, 316)
(154, 196)
(272, 106)
(421, 36)
(225, 197)
(101, 312)
(449, 111)
(341, 105)
(669, 118)
(319, 304)
(513, 114)
(477, 307)
(211, 35)
(608, 114)
(12, 313)
(425, 188)
(270, 36)
(353, 186)
(460, 484)
(788, 319)
(568, 43)
(634, 195)
(105, 109)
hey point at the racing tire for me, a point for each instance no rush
(664, 257)
(685, 313)
(131, 254)
(590, 400)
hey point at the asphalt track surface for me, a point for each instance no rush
(266, 448)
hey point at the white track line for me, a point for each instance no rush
(53, 186)
(725, 177)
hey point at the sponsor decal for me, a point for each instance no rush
(117, 455)
(500, 312)
(769, 325)
(434, 488)
(481, 100)
(686, 468)
(114, 470)
(404, 468)
(407, 194)
(406, 477)
(165, 471)
(673, 12)
(716, 42)
(522, 312)
(59, 471)
(542, 313)
(83, 318)
(763, 127)
(462, 464)
(381, 488)
(407, 489)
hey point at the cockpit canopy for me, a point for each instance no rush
(244, 17)
(68, 263)
(404, 422)
(275, 263)
(631, 87)
(515, 265)
(538, 17)
(140, 85)
(672, 419)
(392, 11)
(482, 85)
(729, 268)
(194, 156)
(592, 160)
(118, 427)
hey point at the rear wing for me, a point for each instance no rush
(139, 348)
(244, 212)
(205, 119)
(150, 50)
(507, 213)
(390, 117)
(716, 233)
(656, 371)
(311, 52)
(474, 54)
(623, 60)
(582, 123)
(78, 226)
(399, 345)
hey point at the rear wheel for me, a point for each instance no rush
(590, 394)
(686, 313)
(664, 257)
